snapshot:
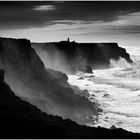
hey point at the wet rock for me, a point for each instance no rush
(78, 56)
(113, 127)
(2, 72)
(21, 120)
(89, 69)
(106, 95)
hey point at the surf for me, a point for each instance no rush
(117, 92)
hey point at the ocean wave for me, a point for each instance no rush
(117, 91)
(126, 70)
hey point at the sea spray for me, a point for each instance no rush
(117, 91)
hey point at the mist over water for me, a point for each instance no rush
(117, 91)
(45, 88)
(54, 59)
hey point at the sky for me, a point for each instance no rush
(92, 21)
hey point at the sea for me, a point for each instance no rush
(116, 91)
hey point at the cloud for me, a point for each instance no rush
(128, 23)
(44, 8)
(81, 21)
(17, 15)
(131, 19)
(122, 24)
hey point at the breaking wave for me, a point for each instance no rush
(117, 91)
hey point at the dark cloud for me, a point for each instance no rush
(126, 29)
(25, 14)
(22, 14)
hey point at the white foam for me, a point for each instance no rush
(117, 90)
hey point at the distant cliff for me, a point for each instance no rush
(45, 88)
(79, 56)
(19, 119)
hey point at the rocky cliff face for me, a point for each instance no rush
(45, 88)
(19, 119)
(74, 56)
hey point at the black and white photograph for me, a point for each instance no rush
(69, 69)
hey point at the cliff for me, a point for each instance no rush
(78, 56)
(20, 119)
(45, 88)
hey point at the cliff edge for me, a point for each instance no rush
(75, 56)
(20, 119)
(45, 88)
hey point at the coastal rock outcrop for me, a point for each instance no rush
(89, 69)
(19, 119)
(45, 88)
(72, 56)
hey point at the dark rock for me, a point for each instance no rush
(47, 89)
(26, 74)
(2, 72)
(106, 95)
(90, 76)
(81, 78)
(113, 127)
(78, 55)
(19, 119)
(89, 69)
